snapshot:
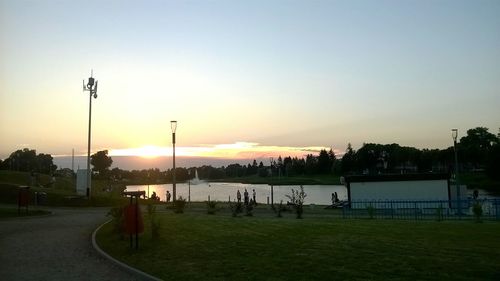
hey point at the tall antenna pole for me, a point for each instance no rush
(93, 93)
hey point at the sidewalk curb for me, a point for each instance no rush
(140, 274)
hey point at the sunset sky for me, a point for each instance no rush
(246, 79)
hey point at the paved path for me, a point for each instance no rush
(56, 247)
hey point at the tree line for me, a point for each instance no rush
(478, 151)
(27, 160)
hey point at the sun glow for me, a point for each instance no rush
(145, 151)
(238, 150)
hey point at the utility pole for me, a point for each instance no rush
(93, 93)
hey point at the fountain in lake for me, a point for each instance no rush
(196, 180)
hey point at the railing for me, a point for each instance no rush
(488, 209)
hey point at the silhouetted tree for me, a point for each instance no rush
(493, 162)
(348, 162)
(475, 147)
(324, 163)
(101, 162)
(45, 164)
(26, 160)
(311, 166)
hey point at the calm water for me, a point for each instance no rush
(220, 191)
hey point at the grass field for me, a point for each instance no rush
(61, 194)
(197, 246)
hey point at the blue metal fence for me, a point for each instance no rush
(424, 210)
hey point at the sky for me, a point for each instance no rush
(246, 79)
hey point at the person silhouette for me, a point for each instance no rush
(245, 195)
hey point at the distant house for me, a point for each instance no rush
(410, 187)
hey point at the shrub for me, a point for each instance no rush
(212, 207)
(278, 209)
(477, 209)
(439, 213)
(151, 209)
(297, 201)
(371, 211)
(249, 210)
(179, 205)
(154, 222)
(236, 208)
(118, 220)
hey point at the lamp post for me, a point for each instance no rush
(93, 93)
(173, 126)
(454, 135)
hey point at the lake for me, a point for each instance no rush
(222, 191)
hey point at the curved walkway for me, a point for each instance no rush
(56, 247)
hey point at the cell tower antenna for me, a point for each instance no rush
(93, 93)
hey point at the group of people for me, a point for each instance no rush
(154, 197)
(246, 198)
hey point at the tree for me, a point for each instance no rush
(45, 164)
(26, 160)
(493, 163)
(324, 162)
(333, 161)
(101, 162)
(311, 164)
(475, 147)
(348, 161)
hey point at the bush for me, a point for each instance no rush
(249, 210)
(179, 205)
(236, 208)
(371, 211)
(439, 213)
(118, 220)
(297, 201)
(278, 209)
(154, 222)
(477, 209)
(212, 207)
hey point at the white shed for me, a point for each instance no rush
(411, 187)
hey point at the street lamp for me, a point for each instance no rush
(454, 135)
(173, 126)
(93, 93)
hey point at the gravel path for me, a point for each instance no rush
(55, 247)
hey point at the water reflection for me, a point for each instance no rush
(221, 191)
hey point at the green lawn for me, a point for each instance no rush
(63, 193)
(196, 246)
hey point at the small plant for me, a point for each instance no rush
(236, 208)
(179, 205)
(297, 201)
(371, 211)
(249, 210)
(154, 222)
(212, 207)
(151, 209)
(155, 228)
(278, 209)
(439, 213)
(118, 220)
(477, 209)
